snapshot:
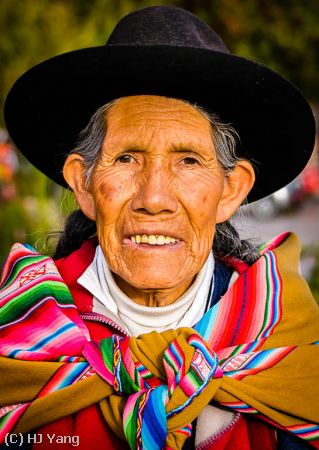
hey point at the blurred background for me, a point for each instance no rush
(283, 34)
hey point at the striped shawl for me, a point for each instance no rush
(256, 351)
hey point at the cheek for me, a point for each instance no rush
(110, 206)
(108, 193)
(201, 196)
(111, 194)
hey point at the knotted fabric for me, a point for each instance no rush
(256, 351)
(188, 367)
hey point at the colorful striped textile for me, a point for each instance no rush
(145, 417)
(255, 351)
(38, 319)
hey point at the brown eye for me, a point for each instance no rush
(189, 161)
(125, 159)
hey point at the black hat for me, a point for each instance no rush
(167, 51)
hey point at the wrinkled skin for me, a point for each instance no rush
(158, 174)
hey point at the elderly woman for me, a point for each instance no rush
(156, 326)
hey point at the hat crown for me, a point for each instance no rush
(165, 25)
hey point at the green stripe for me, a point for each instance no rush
(20, 304)
(267, 299)
(19, 265)
(106, 347)
(130, 425)
(128, 385)
(194, 378)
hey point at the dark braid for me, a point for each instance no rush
(77, 229)
(227, 242)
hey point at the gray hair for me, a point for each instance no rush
(225, 138)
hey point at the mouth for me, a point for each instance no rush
(152, 240)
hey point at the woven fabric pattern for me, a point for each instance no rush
(250, 353)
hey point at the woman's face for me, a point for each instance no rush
(157, 193)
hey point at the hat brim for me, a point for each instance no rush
(52, 102)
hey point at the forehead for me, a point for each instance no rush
(153, 115)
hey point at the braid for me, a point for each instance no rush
(227, 242)
(77, 229)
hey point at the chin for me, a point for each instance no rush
(153, 284)
(148, 280)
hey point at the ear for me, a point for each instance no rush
(73, 172)
(238, 184)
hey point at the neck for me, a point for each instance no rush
(153, 297)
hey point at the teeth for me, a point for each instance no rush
(160, 240)
(144, 239)
(153, 239)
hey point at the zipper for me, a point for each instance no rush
(96, 317)
(209, 441)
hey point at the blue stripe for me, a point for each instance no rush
(257, 359)
(205, 325)
(210, 358)
(154, 425)
(45, 340)
(275, 300)
(176, 354)
(77, 370)
(304, 431)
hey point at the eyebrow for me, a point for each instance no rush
(173, 150)
(177, 149)
(183, 150)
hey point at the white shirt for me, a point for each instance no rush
(139, 319)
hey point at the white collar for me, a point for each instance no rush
(108, 297)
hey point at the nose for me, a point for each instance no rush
(156, 193)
